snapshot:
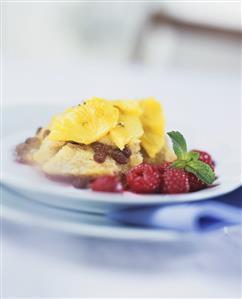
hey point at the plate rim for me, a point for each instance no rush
(106, 231)
(125, 198)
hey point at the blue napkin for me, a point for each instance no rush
(203, 216)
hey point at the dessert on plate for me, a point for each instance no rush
(114, 145)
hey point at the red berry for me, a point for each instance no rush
(107, 183)
(195, 183)
(205, 157)
(163, 166)
(144, 178)
(174, 180)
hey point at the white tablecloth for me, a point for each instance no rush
(42, 264)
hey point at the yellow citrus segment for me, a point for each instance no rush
(153, 124)
(152, 143)
(85, 123)
(129, 128)
(128, 106)
(119, 121)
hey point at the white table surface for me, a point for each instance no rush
(41, 264)
(45, 264)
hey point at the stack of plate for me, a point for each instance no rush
(28, 196)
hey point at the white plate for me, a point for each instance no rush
(32, 213)
(32, 184)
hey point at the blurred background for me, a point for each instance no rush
(56, 41)
(197, 35)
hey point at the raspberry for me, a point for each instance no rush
(174, 180)
(144, 178)
(194, 182)
(107, 183)
(205, 157)
(163, 166)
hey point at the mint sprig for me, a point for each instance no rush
(189, 160)
(179, 143)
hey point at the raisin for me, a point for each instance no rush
(97, 146)
(127, 152)
(100, 147)
(118, 156)
(100, 151)
(100, 157)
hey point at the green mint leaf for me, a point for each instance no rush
(202, 170)
(192, 156)
(178, 164)
(178, 138)
(178, 151)
(179, 143)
